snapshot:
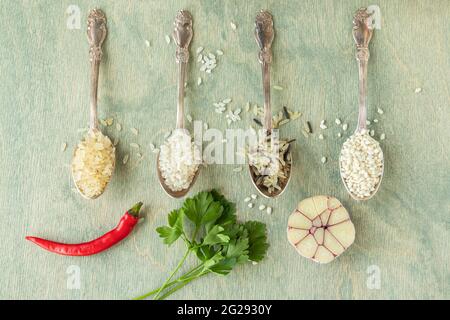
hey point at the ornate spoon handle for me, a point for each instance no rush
(182, 35)
(362, 33)
(96, 32)
(264, 34)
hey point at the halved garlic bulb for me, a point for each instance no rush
(320, 229)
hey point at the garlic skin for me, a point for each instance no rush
(320, 229)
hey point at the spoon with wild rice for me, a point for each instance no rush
(93, 161)
(270, 159)
(179, 158)
(361, 161)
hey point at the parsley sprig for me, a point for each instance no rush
(215, 237)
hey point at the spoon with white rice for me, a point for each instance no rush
(179, 158)
(93, 161)
(361, 162)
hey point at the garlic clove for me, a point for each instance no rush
(324, 255)
(307, 247)
(332, 244)
(317, 222)
(339, 215)
(299, 221)
(296, 235)
(319, 235)
(333, 203)
(307, 207)
(344, 232)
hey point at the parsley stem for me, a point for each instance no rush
(181, 285)
(184, 277)
(172, 274)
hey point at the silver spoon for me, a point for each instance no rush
(182, 35)
(362, 34)
(96, 32)
(264, 34)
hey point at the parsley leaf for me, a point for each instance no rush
(215, 236)
(175, 229)
(257, 240)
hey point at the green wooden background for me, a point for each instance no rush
(403, 231)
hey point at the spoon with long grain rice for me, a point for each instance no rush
(93, 161)
(361, 161)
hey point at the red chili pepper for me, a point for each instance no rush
(121, 231)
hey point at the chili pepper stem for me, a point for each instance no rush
(134, 211)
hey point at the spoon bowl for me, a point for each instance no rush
(77, 187)
(376, 187)
(170, 192)
(262, 190)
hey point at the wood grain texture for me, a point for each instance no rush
(404, 230)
